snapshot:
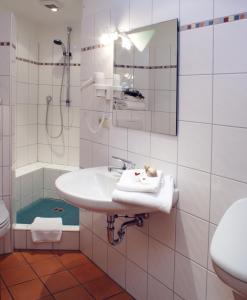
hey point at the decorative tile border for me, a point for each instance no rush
(145, 67)
(58, 64)
(216, 21)
(27, 60)
(92, 47)
(45, 64)
(4, 44)
(7, 44)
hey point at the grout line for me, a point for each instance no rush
(211, 162)
(38, 63)
(145, 67)
(214, 74)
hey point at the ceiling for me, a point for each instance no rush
(33, 10)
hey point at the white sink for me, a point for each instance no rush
(92, 189)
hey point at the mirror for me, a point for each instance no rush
(145, 78)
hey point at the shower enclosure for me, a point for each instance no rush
(47, 130)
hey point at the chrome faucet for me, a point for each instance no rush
(127, 164)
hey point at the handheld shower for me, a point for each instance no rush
(67, 56)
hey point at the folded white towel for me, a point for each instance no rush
(163, 200)
(46, 229)
(136, 180)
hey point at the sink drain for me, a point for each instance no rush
(58, 209)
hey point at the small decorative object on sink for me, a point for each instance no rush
(136, 180)
(151, 172)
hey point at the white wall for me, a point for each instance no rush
(27, 93)
(169, 258)
(34, 83)
(7, 110)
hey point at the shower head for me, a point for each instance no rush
(60, 43)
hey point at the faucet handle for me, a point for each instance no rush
(127, 164)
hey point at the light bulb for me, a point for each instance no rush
(54, 9)
(126, 43)
(108, 38)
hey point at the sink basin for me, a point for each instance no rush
(92, 188)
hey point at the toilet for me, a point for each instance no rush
(229, 247)
(4, 219)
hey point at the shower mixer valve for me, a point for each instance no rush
(48, 99)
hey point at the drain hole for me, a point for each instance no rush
(58, 209)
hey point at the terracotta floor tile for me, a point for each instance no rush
(31, 290)
(48, 298)
(46, 267)
(76, 293)
(71, 259)
(2, 285)
(35, 256)
(87, 272)
(103, 287)
(121, 296)
(18, 275)
(12, 260)
(59, 282)
(4, 295)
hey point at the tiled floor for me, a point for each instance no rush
(57, 275)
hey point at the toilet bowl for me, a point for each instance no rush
(4, 219)
(229, 247)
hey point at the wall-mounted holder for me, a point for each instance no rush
(117, 92)
(103, 91)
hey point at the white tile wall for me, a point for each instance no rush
(136, 281)
(165, 10)
(194, 149)
(194, 188)
(195, 101)
(229, 100)
(158, 291)
(137, 247)
(161, 262)
(196, 51)
(140, 13)
(34, 83)
(192, 237)
(7, 109)
(207, 158)
(209, 92)
(27, 91)
(190, 279)
(116, 266)
(229, 148)
(228, 39)
(229, 7)
(194, 10)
